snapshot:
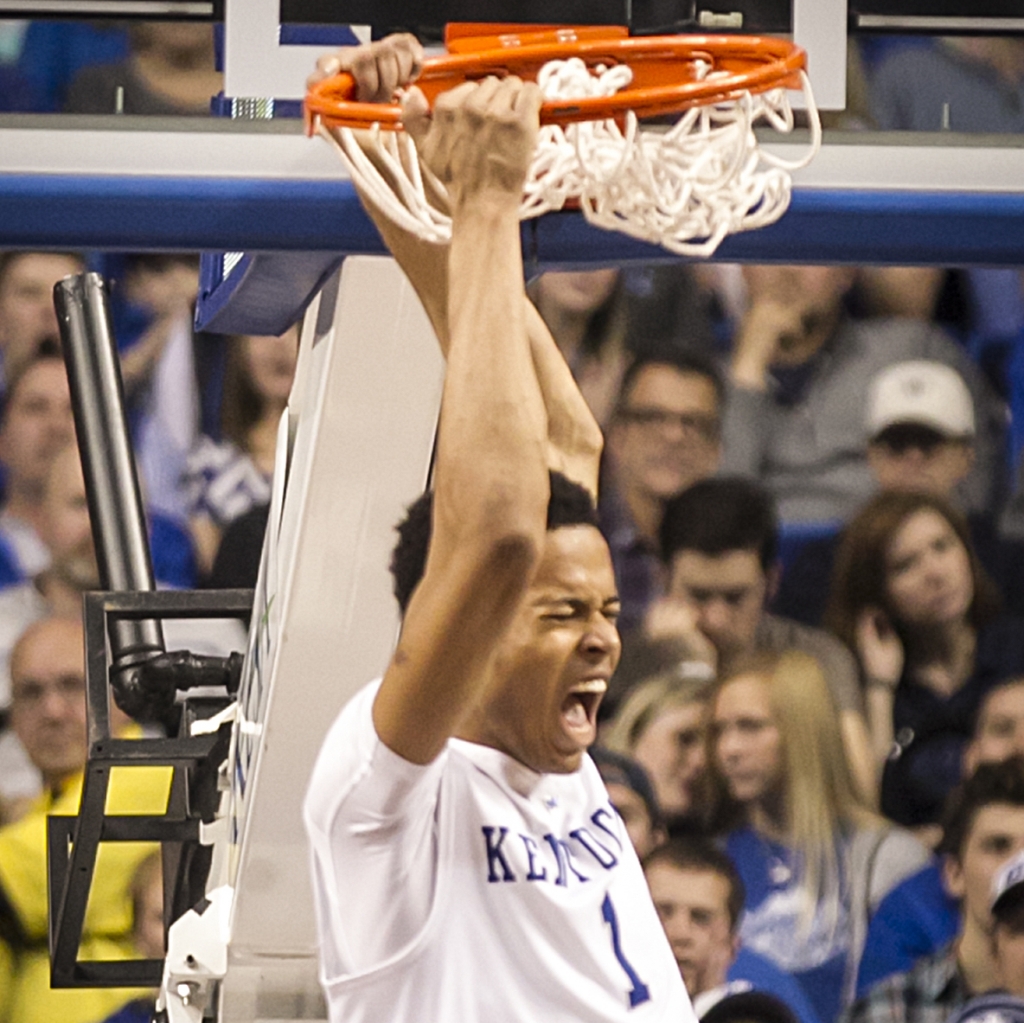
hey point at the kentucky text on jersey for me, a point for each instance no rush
(516, 857)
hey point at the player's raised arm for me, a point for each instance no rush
(491, 480)
(574, 437)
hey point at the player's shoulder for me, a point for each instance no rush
(348, 742)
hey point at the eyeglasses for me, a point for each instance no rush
(692, 425)
(31, 693)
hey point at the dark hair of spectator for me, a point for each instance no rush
(693, 362)
(991, 784)
(241, 405)
(720, 515)
(749, 1007)
(701, 854)
(606, 324)
(861, 572)
(618, 769)
(569, 505)
(48, 350)
(161, 262)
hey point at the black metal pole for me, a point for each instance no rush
(111, 484)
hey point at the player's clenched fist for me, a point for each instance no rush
(379, 69)
(480, 138)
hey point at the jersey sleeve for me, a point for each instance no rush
(370, 817)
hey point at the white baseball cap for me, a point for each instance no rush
(1008, 884)
(922, 392)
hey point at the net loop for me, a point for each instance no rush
(685, 188)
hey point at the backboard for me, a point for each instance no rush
(261, 62)
(354, 450)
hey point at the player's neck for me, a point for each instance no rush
(476, 728)
(479, 727)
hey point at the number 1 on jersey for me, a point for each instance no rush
(638, 993)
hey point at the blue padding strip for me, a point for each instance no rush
(317, 35)
(830, 226)
(184, 214)
(244, 214)
(266, 293)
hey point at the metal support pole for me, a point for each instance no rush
(112, 486)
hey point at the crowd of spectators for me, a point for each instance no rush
(811, 496)
(48, 561)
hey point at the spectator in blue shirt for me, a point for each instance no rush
(699, 897)
(983, 829)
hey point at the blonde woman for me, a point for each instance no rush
(661, 725)
(814, 860)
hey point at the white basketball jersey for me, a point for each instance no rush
(475, 890)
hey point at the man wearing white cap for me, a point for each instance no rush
(920, 432)
(798, 374)
(920, 425)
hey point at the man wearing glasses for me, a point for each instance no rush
(663, 437)
(48, 715)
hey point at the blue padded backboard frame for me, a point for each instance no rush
(264, 190)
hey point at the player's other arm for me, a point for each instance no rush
(574, 437)
(575, 440)
(491, 481)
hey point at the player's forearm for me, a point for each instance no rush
(574, 437)
(494, 425)
(490, 497)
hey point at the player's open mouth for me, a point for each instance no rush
(579, 710)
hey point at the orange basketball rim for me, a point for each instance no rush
(670, 74)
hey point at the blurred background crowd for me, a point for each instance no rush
(814, 499)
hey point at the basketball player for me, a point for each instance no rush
(468, 866)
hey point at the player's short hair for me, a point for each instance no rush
(695, 853)
(996, 783)
(570, 504)
(720, 515)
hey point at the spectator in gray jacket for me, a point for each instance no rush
(798, 376)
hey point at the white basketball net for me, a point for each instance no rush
(685, 188)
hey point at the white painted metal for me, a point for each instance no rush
(912, 162)
(361, 428)
(819, 26)
(196, 958)
(939, 25)
(255, 62)
(209, 149)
